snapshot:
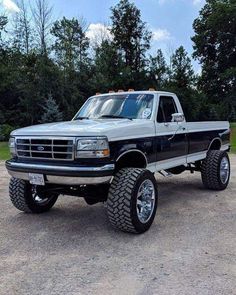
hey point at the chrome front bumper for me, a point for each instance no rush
(64, 175)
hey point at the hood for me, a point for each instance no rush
(114, 129)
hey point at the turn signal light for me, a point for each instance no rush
(106, 153)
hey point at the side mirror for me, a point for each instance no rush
(178, 117)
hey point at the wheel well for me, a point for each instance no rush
(135, 159)
(215, 144)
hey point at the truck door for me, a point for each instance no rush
(171, 138)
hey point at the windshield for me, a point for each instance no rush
(131, 106)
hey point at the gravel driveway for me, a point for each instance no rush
(190, 249)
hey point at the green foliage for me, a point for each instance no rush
(5, 131)
(109, 68)
(157, 70)
(71, 52)
(51, 111)
(182, 74)
(70, 44)
(3, 22)
(131, 38)
(214, 46)
(181, 81)
(57, 59)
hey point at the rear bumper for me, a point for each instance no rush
(64, 175)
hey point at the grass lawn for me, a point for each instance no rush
(233, 137)
(4, 151)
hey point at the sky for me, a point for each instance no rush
(170, 20)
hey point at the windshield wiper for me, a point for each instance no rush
(114, 117)
(81, 118)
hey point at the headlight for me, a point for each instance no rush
(12, 146)
(92, 148)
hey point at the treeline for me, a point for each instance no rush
(48, 69)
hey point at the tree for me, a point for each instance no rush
(23, 37)
(51, 111)
(3, 23)
(42, 15)
(35, 79)
(131, 35)
(71, 43)
(157, 70)
(214, 46)
(182, 74)
(181, 81)
(70, 48)
(109, 68)
(56, 59)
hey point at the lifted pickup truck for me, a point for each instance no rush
(109, 153)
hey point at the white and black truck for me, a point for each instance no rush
(110, 151)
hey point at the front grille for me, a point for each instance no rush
(45, 148)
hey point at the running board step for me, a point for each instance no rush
(165, 173)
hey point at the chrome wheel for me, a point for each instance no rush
(224, 170)
(145, 200)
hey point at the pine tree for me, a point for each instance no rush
(71, 44)
(182, 82)
(182, 74)
(51, 111)
(214, 46)
(131, 35)
(108, 68)
(3, 23)
(157, 70)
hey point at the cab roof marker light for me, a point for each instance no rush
(111, 91)
(120, 90)
(98, 93)
(130, 90)
(152, 89)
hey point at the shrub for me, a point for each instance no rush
(5, 131)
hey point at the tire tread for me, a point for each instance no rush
(17, 194)
(119, 199)
(210, 170)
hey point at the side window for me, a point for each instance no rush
(167, 107)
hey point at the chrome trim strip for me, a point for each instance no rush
(108, 167)
(181, 160)
(64, 180)
(216, 138)
(43, 137)
(78, 180)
